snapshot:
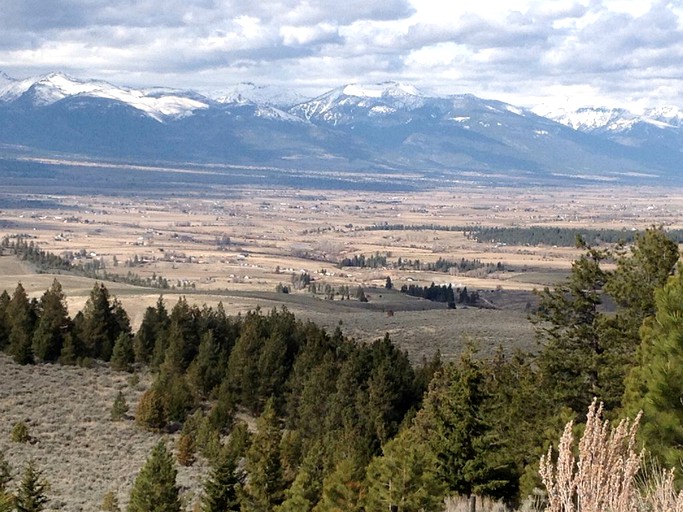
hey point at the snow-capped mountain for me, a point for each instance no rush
(589, 119)
(360, 128)
(261, 95)
(350, 102)
(615, 120)
(46, 90)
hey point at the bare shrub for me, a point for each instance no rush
(659, 492)
(603, 477)
(483, 504)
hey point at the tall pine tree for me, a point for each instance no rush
(265, 484)
(655, 385)
(53, 325)
(21, 319)
(222, 486)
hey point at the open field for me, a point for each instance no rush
(82, 453)
(235, 246)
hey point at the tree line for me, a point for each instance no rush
(350, 426)
(46, 261)
(532, 235)
(442, 293)
(462, 265)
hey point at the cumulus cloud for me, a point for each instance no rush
(523, 51)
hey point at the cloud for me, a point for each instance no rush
(519, 50)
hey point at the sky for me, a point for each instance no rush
(559, 53)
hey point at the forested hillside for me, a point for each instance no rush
(341, 425)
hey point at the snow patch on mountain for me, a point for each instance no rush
(670, 115)
(614, 120)
(358, 100)
(261, 95)
(49, 89)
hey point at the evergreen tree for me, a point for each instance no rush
(221, 488)
(306, 489)
(453, 425)
(100, 327)
(6, 498)
(70, 350)
(243, 373)
(404, 477)
(31, 494)
(155, 488)
(587, 352)
(265, 485)
(4, 320)
(119, 408)
(574, 359)
(185, 450)
(175, 394)
(150, 412)
(21, 319)
(344, 489)
(205, 372)
(154, 322)
(122, 356)
(655, 385)
(53, 325)
(390, 389)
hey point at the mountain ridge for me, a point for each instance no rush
(370, 128)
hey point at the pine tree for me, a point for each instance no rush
(306, 489)
(221, 488)
(243, 372)
(119, 408)
(21, 319)
(70, 351)
(4, 320)
(6, 499)
(655, 385)
(31, 494)
(53, 325)
(265, 487)
(150, 412)
(404, 477)
(185, 450)
(155, 488)
(344, 489)
(122, 357)
(454, 426)
(205, 372)
(102, 323)
(587, 353)
(154, 322)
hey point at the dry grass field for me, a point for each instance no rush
(82, 453)
(236, 246)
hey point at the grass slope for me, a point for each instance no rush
(82, 453)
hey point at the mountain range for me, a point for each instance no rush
(383, 129)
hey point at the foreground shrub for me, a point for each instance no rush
(603, 478)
